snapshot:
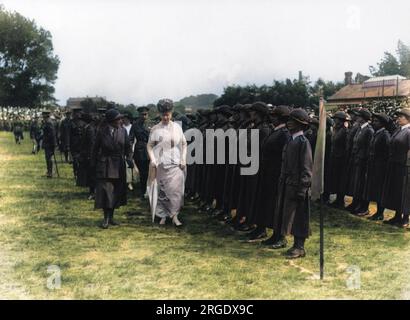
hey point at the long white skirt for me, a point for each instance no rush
(166, 187)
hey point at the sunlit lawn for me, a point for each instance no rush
(49, 222)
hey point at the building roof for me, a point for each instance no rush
(359, 92)
(385, 78)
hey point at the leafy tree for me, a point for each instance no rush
(28, 65)
(392, 65)
(389, 65)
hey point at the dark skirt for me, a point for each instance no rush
(110, 193)
(266, 200)
(396, 189)
(336, 174)
(358, 181)
(376, 173)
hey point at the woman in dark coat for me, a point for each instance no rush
(377, 163)
(112, 148)
(249, 184)
(396, 189)
(270, 166)
(338, 159)
(293, 205)
(360, 154)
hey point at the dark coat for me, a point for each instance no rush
(377, 165)
(347, 179)
(86, 173)
(396, 189)
(270, 166)
(249, 183)
(140, 133)
(337, 161)
(49, 135)
(76, 131)
(65, 133)
(108, 157)
(360, 154)
(293, 205)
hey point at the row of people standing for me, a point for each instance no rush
(369, 162)
(366, 158)
(277, 195)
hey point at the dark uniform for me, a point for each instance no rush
(140, 133)
(112, 148)
(270, 167)
(377, 166)
(396, 189)
(65, 136)
(76, 131)
(18, 131)
(35, 135)
(293, 205)
(87, 144)
(360, 154)
(49, 142)
(338, 159)
(249, 183)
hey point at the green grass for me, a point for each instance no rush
(49, 222)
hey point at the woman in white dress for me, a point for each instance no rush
(167, 148)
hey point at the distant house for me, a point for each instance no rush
(76, 102)
(373, 89)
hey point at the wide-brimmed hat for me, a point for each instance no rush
(225, 110)
(112, 115)
(382, 117)
(300, 116)
(260, 107)
(365, 114)
(340, 115)
(281, 111)
(404, 112)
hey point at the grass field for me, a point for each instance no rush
(47, 223)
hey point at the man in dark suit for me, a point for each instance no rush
(76, 131)
(65, 135)
(293, 205)
(49, 141)
(139, 134)
(112, 148)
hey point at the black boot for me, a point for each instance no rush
(106, 220)
(280, 243)
(111, 218)
(298, 250)
(256, 235)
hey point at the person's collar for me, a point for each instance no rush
(297, 134)
(364, 125)
(380, 130)
(405, 126)
(282, 125)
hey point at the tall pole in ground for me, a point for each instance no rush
(318, 177)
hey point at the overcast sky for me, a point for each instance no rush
(137, 51)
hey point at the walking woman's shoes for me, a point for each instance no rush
(175, 221)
